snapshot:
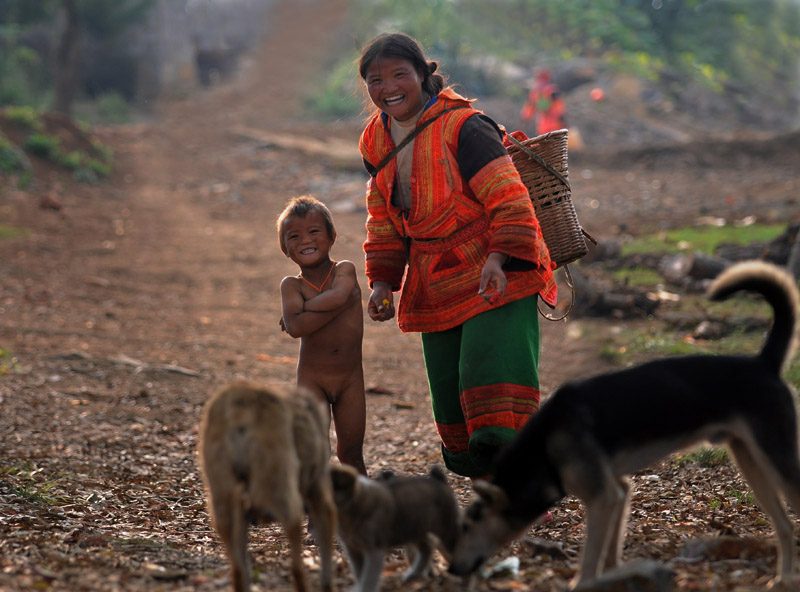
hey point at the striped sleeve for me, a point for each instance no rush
(495, 182)
(385, 248)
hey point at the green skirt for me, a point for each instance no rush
(484, 383)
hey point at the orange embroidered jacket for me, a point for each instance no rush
(441, 244)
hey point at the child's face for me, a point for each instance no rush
(306, 238)
(395, 87)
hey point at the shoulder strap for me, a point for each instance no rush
(388, 158)
(539, 160)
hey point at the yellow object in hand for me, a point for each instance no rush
(386, 303)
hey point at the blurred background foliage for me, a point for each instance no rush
(716, 41)
(41, 42)
(739, 48)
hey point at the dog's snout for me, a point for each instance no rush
(462, 569)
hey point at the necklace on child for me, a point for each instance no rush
(325, 281)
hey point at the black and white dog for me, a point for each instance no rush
(590, 434)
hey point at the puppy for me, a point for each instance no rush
(375, 515)
(589, 435)
(264, 454)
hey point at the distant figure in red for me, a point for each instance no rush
(545, 105)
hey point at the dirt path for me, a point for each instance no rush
(126, 308)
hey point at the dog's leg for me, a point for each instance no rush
(614, 552)
(322, 514)
(356, 561)
(782, 451)
(285, 504)
(420, 556)
(231, 526)
(767, 494)
(294, 532)
(602, 521)
(371, 571)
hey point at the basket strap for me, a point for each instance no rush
(589, 236)
(388, 158)
(540, 160)
(571, 302)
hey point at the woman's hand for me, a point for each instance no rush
(380, 306)
(493, 280)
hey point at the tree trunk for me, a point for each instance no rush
(65, 63)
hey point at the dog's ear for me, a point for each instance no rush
(437, 473)
(343, 477)
(492, 495)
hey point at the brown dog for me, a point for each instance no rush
(264, 454)
(375, 515)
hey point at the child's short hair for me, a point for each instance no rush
(301, 206)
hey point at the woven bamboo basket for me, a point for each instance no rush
(542, 165)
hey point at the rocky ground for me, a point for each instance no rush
(129, 301)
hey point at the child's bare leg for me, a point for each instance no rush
(319, 394)
(312, 386)
(349, 419)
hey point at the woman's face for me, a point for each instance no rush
(395, 87)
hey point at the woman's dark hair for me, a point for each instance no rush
(404, 47)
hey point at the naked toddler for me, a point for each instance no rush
(322, 307)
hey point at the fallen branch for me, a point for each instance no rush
(140, 366)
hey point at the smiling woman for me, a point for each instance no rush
(396, 85)
(450, 224)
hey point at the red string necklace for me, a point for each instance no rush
(325, 281)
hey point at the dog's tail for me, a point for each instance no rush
(779, 289)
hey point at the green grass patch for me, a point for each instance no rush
(31, 484)
(704, 239)
(338, 96)
(638, 276)
(792, 373)
(103, 152)
(45, 146)
(629, 345)
(705, 456)
(654, 342)
(8, 232)
(612, 353)
(12, 159)
(639, 342)
(745, 498)
(112, 108)
(24, 115)
(742, 305)
(38, 492)
(109, 108)
(85, 175)
(72, 160)
(16, 468)
(100, 168)
(85, 168)
(8, 362)
(88, 167)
